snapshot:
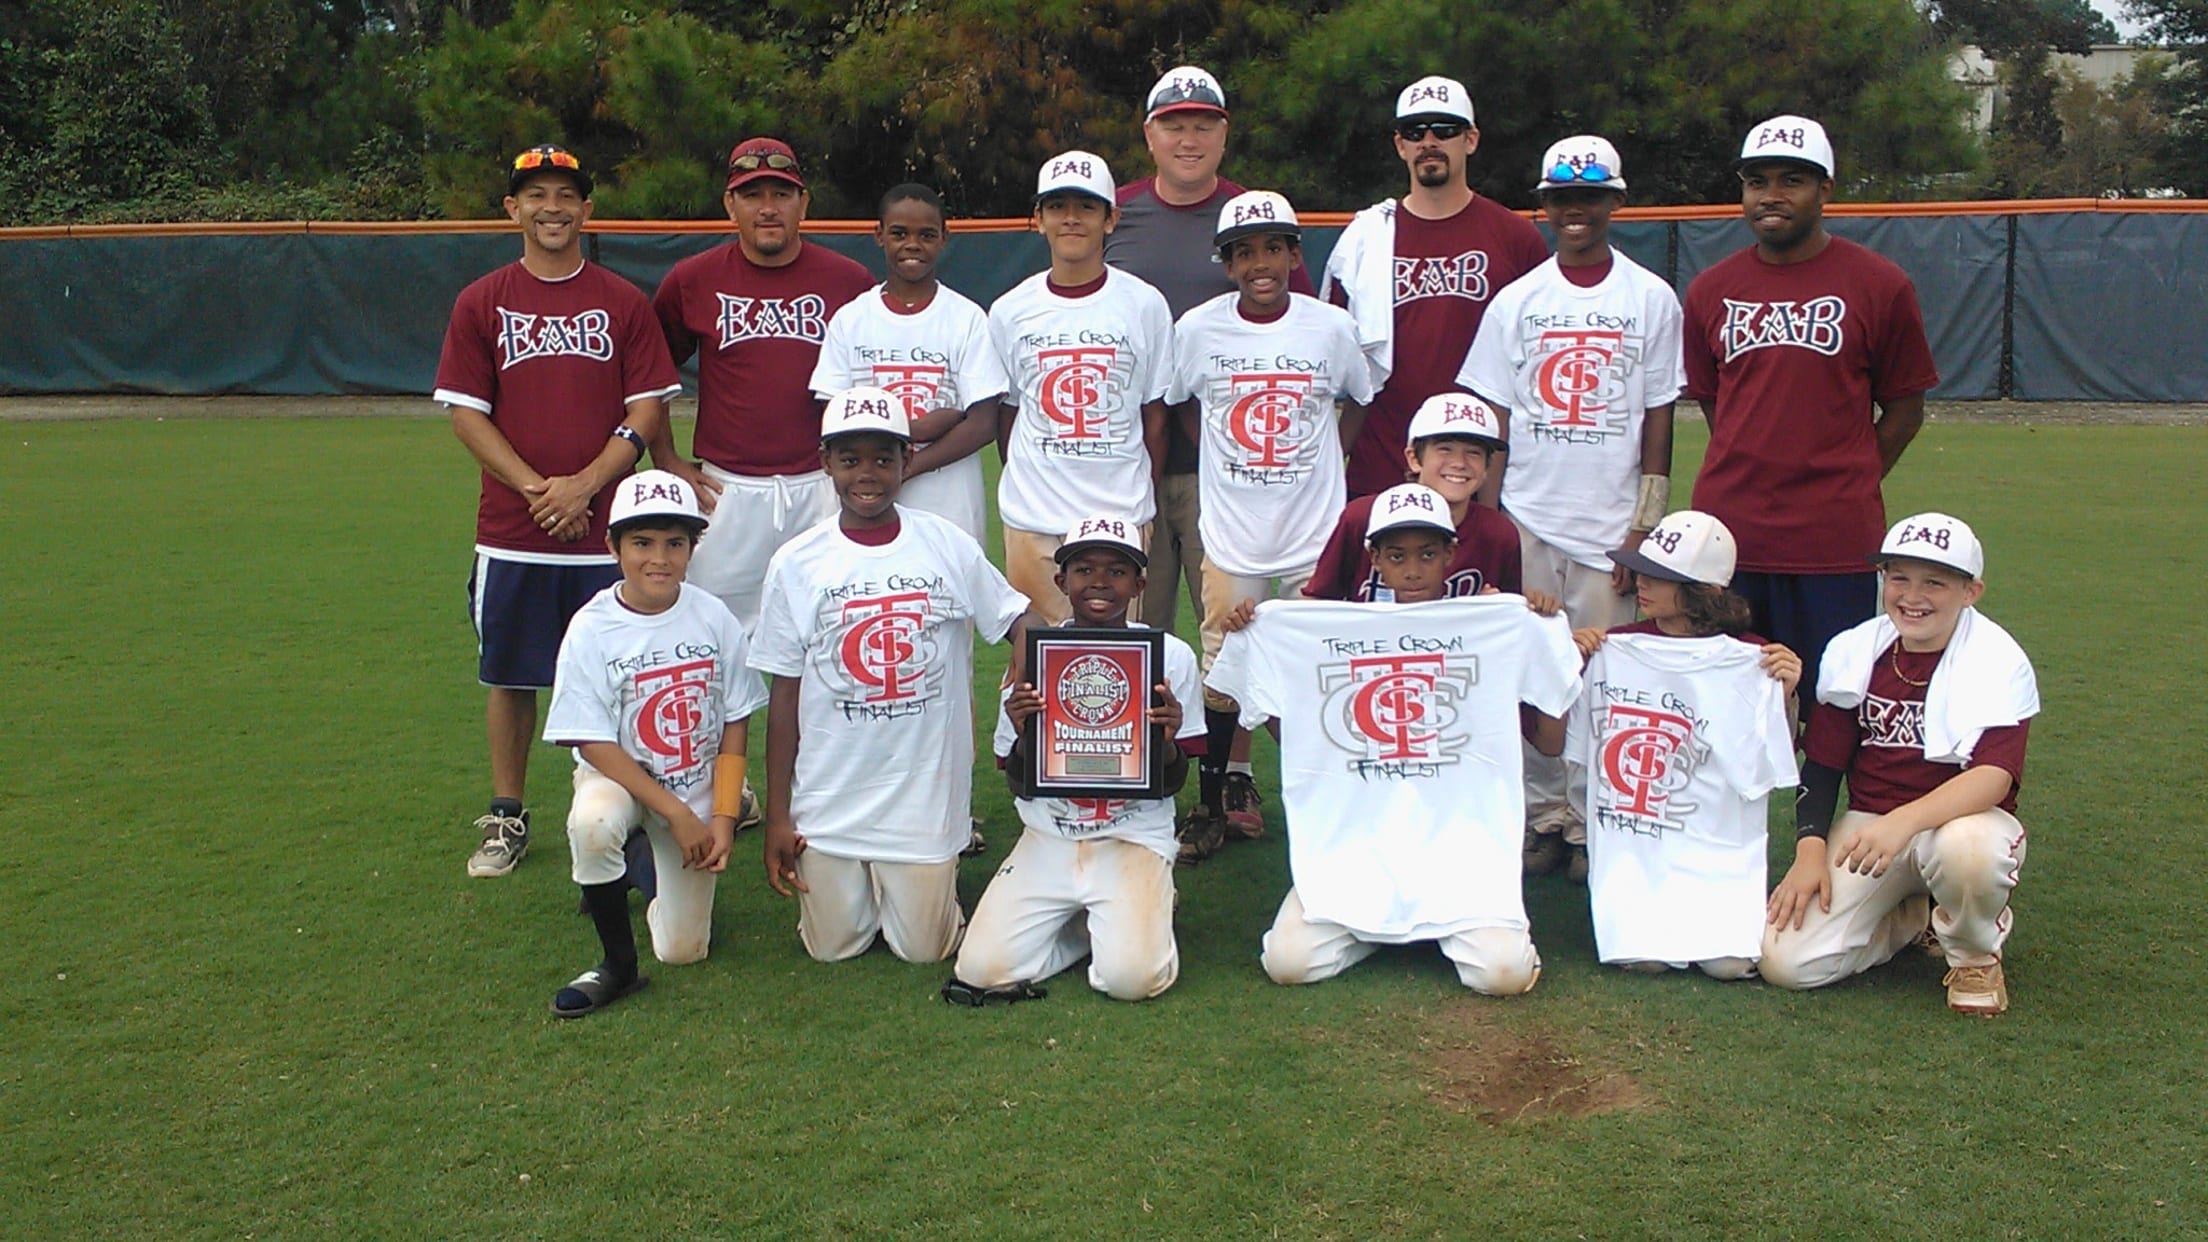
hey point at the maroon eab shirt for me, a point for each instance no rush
(1879, 743)
(1446, 272)
(1487, 556)
(1789, 358)
(757, 333)
(554, 364)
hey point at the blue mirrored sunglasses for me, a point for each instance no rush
(1564, 172)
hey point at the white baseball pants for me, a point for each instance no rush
(599, 822)
(913, 906)
(1589, 601)
(1494, 961)
(1054, 902)
(1963, 870)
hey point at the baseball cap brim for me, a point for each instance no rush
(1500, 446)
(1633, 559)
(762, 174)
(1294, 232)
(1741, 166)
(521, 176)
(1185, 105)
(1880, 558)
(1067, 551)
(1084, 192)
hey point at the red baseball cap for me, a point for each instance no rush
(755, 158)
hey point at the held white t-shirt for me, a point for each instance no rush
(662, 686)
(1400, 752)
(1674, 748)
(881, 640)
(1578, 370)
(935, 358)
(1081, 370)
(1148, 822)
(1270, 473)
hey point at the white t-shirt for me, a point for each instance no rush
(1400, 751)
(662, 686)
(1270, 473)
(1081, 370)
(1578, 370)
(1148, 822)
(881, 640)
(935, 358)
(1674, 749)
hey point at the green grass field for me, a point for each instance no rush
(248, 991)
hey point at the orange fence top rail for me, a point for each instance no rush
(1018, 224)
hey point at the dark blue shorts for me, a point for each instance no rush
(521, 611)
(1805, 611)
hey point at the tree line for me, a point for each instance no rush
(119, 110)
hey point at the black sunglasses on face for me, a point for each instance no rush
(1417, 130)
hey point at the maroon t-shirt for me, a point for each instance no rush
(1487, 555)
(1789, 358)
(1880, 743)
(554, 364)
(1446, 271)
(757, 331)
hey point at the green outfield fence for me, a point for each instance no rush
(2065, 300)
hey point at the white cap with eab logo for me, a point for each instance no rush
(865, 409)
(1685, 547)
(1436, 97)
(1408, 504)
(1252, 212)
(1077, 172)
(1795, 138)
(654, 493)
(1121, 535)
(1936, 539)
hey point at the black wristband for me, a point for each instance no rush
(633, 436)
(1815, 800)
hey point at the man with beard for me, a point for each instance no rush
(1788, 345)
(1417, 273)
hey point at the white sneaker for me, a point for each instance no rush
(505, 841)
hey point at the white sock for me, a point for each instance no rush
(1240, 765)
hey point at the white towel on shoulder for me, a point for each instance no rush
(1363, 264)
(1983, 681)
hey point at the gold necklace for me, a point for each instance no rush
(1893, 654)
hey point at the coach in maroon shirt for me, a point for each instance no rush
(1789, 345)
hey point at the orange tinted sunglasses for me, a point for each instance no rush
(538, 157)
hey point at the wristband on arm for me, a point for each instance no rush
(728, 785)
(1815, 800)
(1652, 502)
(633, 436)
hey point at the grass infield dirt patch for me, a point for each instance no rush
(1505, 1076)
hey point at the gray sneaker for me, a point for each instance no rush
(748, 814)
(505, 840)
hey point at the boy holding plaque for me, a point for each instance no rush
(867, 630)
(1090, 877)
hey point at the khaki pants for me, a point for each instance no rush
(1054, 902)
(1176, 551)
(913, 905)
(1223, 593)
(1030, 565)
(1494, 961)
(1589, 602)
(1959, 874)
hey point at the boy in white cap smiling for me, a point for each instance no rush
(867, 631)
(653, 693)
(1581, 356)
(1269, 383)
(1087, 348)
(1924, 710)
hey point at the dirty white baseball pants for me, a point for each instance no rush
(599, 822)
(1494, 961)
(1054, 902)
(912, 906)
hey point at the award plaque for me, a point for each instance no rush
(1093, 738)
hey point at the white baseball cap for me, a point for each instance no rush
(1252, 212)
(1121, 535)
(1185, 88)
(1408, 504)
(1455, 414)
(1936, 539)
(1686, 546)
(1790, 137)
(1435, 97)
(654, 493)
(1581, 160)
(862, 409)
(1077, 172)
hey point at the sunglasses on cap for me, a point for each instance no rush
(773, 160)
(538, 157)
(1414, 131)
(1564, 172)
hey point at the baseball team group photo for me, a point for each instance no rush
(1274, 718)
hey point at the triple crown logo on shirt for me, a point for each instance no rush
(914, 383)
(887, 655)
(587, 334)
(1262, 422)
(1074, 384)
(1396, 715)
(1647, 757)
(667, 719)
(1578, 376)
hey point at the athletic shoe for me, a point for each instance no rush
(1542, 852)
(505, 841)
(1977, 990)
(1576, 869)
(975, 842)
(747, 810)
(1201, 834)
(1242, 804)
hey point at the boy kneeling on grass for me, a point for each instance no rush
(1090, 877)
(867, 627)
(653, 692)
(1924, 710)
